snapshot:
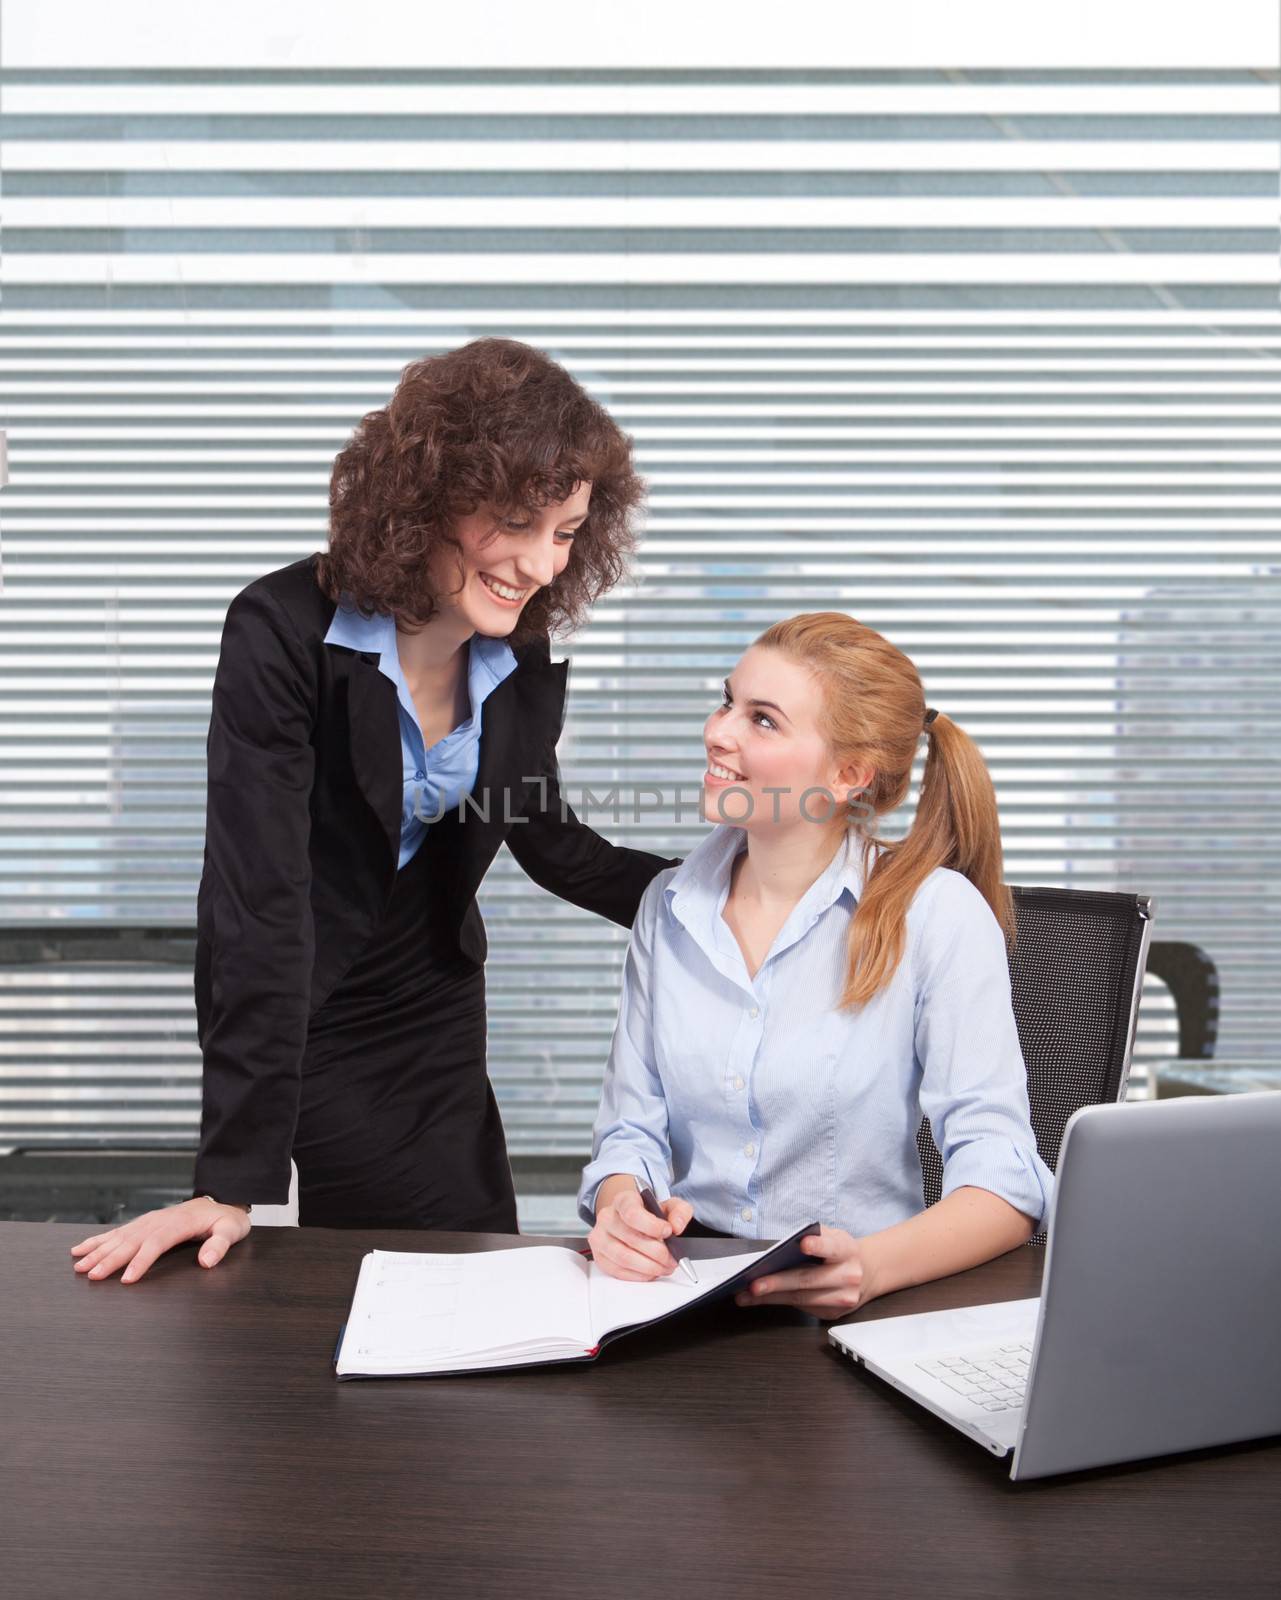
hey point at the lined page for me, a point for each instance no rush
(616, 1303)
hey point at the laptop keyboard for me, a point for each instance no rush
(995, 1378)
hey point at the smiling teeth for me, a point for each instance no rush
(723, 772)
(504, 591)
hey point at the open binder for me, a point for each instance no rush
(418, 1315)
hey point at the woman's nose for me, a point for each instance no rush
(714, 735)
(539, 564)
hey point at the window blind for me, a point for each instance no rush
(987, 359)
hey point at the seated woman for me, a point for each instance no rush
(798, 992)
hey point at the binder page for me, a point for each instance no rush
(403, 1313)
(417, 1312)
(617, 1303)
(514, 1298)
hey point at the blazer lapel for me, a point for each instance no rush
(374, 730)
(521, 718)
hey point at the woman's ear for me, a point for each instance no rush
(856, 776)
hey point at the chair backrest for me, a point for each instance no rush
(1076, 971)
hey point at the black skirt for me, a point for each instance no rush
(398, 1126)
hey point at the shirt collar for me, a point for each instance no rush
(489, 660)
(697, 891)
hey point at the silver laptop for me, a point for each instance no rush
(1158, 1326)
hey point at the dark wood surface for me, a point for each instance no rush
(185, 1436)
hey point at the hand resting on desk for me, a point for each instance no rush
(627, 1242)
(135, 1245)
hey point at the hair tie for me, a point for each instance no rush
(930, 715)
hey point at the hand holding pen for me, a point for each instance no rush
(633, 1242)
(683, 1264)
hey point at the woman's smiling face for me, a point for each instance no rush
(769, 764)
(505, 561)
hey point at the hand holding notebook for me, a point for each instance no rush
(415, 1314)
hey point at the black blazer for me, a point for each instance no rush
(302, 840)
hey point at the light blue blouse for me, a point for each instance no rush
(764, 1106)
(435, 780)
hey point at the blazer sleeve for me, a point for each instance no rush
(255, 936)
(569, 858)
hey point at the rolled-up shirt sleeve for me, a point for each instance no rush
(973, 1080)
(630, 1134)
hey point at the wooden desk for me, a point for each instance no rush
(184, 1436)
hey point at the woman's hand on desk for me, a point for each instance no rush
(838, 1283)
(627, 1242)
(135, 1245)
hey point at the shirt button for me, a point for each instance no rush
(746, 1213)
(749, 1149)
(738, 1083)
(754, 1012)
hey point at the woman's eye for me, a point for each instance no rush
(766, 719)
(566, 535)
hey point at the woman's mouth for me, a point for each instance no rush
(719, 776)
(503, 594)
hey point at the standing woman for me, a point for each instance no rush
(384, 716)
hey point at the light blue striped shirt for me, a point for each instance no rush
(435, 779)
(764, 1106)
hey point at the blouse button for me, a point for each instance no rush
(746, 1213)
(738, 1083)
(749, 1149)
(754, 1012)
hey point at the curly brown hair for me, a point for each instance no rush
(495, 421)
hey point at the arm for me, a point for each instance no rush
(630, 1134)
(962, 1230)
(630, 1139)
(255, 935)
(568, 858)
(965, 1228)
(973, 1078)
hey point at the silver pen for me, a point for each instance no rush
(650, 1202)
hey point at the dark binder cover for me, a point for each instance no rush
(783, 1257)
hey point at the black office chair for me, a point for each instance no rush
(1076, 972)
